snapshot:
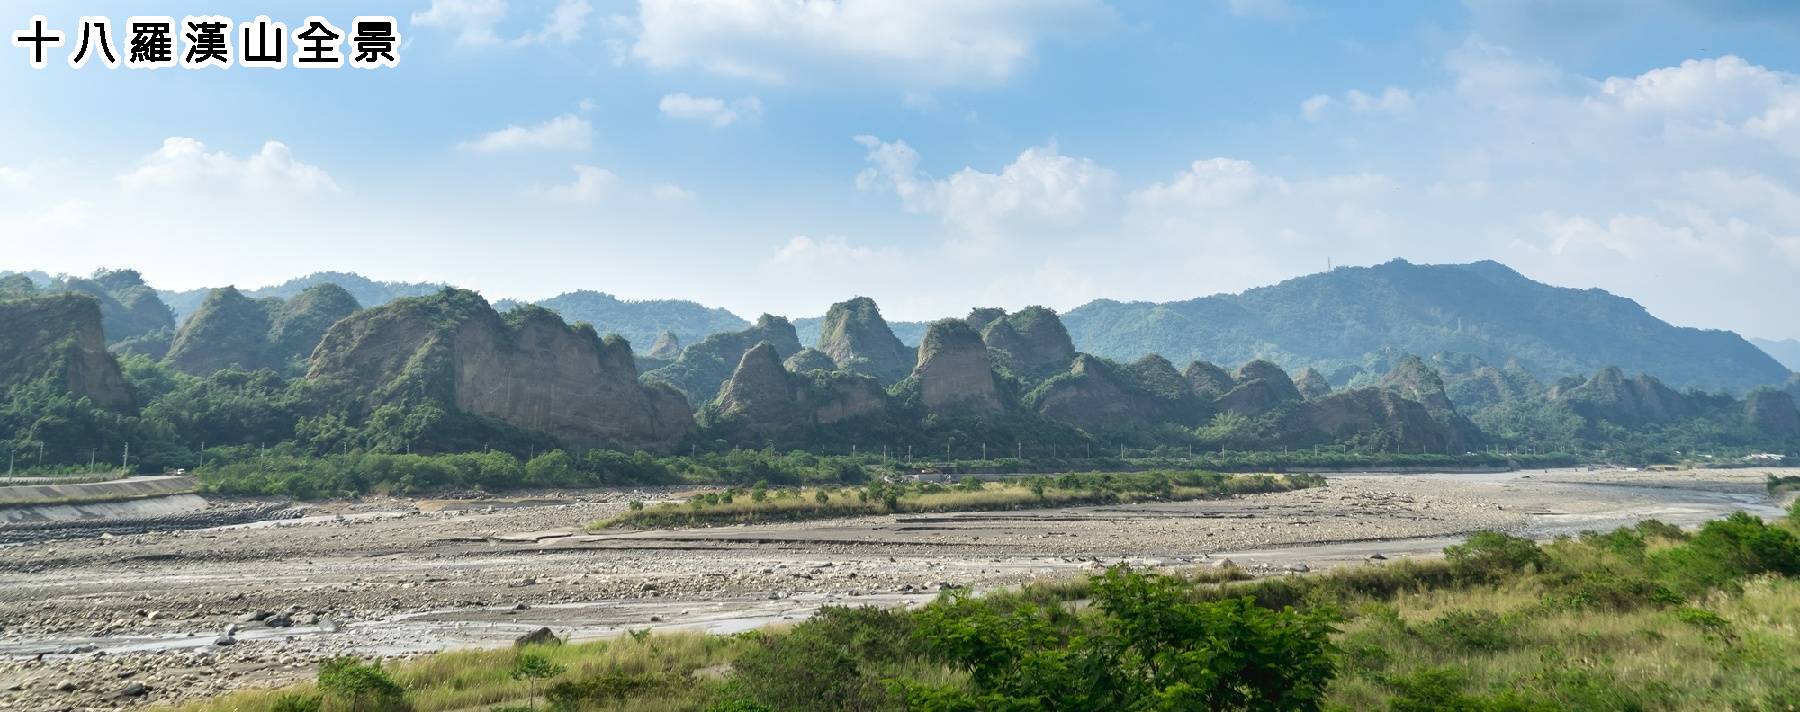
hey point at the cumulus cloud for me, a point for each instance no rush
(566, 132)
(13, 178)
(1392, 101)
(184, 163)
(1041, 189)
(718, 112)
(922, 43)
(591, 184)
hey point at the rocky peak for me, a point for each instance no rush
(303, 320)
(1033, 339)
(855, 336)
(60, 337)
(1772, 411)
(1612, 397)
(760, 392)
(763, 401)
(1207, 380)
(810, 360)
(704, 366)
(667, 347)
(528, 369)
(981, 317)
(1312, 384)
(1258, 387)
(228, 330)
(953, 371)
(1159, 376)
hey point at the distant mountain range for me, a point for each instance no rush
(1344, 324)
(1787, 351)
(368, 292)
(1339, 321)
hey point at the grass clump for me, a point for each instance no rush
(761, 504)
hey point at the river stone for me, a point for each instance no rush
(541, 636)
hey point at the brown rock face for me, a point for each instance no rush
(60, 337)
(528, 369)
(763, 400)
(667, 347)
(761, 395)
(1403, 425)
(856, 337)
(953, 371)
(1258, 387)
(1094, 395)
(810, 360)
(228, 330)
(1612, 397)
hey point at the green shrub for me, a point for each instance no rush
(1493, 556)
(610, 687)
(346, 683)
(1469, 631)
(840, 659)
(295, 702)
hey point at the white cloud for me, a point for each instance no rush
(591, 184)
(184, 163)
(473, 21)
(717, 112)
(1392, 101)
(1041, 189)
(13, 178)
(671, 193)
(919, 43)
(566, 132)
(566, 22)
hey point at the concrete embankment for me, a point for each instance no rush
(110, 491)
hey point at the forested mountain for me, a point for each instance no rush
(1335, 320)
(641, 322)
(368, 292)
(1787, 351)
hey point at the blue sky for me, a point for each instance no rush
(779, 155)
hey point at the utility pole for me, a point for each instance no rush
(125, 460)
(984, 450)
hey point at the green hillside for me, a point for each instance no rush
(1335, 320)
(640, 322)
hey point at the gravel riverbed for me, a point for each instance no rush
(127, 619)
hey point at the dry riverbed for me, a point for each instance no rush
(124, 620)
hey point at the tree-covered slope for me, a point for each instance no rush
(641, 322)
(1333, 320)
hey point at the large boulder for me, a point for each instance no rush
(953, 373)
(1034, 341)
(704, 366)
(527, 369)
(855, 336)
(59, 337)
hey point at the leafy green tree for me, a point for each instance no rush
(534, 668)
